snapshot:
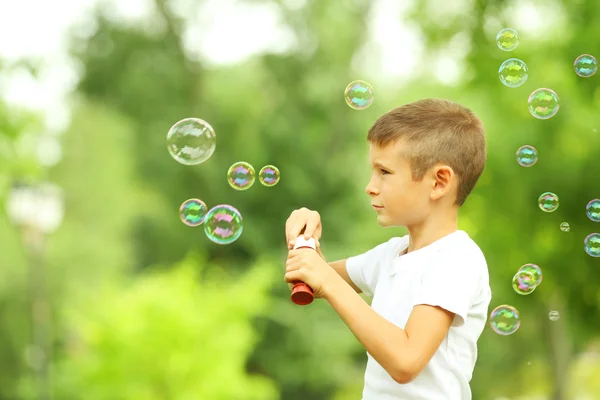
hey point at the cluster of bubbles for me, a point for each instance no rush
(527, 279)
(505, 319)
(527, 156)
(513, 73)
(192, 141)
(241, 175)
(543, 104)
(222, 223)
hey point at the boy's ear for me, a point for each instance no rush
(443, 176)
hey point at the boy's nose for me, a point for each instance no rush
(371, 189)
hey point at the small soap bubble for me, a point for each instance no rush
(565, 227)
(527, 156)
(241, 175)
(359, 95)
(534, 270)
(505, 320)
(223, 224)
(593, 210)
(543, 103)
(591, 244)
(585, 65)
(523, 283)
(507, 39)
(269, 175)
(191, 141)
(513, 73)
(548, 202)
(192, 212)
(553, 316)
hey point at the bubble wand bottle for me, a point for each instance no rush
(302, 294)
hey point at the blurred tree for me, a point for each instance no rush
(182, 333)
(19, 129)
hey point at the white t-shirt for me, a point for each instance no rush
(450, 273)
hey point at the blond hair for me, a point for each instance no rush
(437, 131)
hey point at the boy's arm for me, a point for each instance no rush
(403, 353)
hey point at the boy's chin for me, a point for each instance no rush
(386, 222)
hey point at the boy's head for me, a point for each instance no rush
(425, 154)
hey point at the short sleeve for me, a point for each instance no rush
(452, 282)
(364, 269)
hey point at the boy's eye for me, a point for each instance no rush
(384, 172)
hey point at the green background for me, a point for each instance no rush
(143, 307)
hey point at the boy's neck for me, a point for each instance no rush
(432, 229)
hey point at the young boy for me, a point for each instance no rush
(430, 288)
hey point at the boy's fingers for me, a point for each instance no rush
(289, 227)
(295, 230)
(312, 225)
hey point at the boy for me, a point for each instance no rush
(430, 288)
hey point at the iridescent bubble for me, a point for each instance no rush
(505, 320)
(593, 210)
(359, 95)
(565, 227)
(507, 39)
(269, 175)
(191, 141)
(592, 244)
(543, 103)
(192, 212)
(533, 270)
(548, 202)
(241, 175)
(585, 65)
(523, 283)
(527, 156)
(223, 224)
(553, 316)
(513, 73)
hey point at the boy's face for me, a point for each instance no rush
(395, 196)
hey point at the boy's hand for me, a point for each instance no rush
(307, 266)
(301, 219)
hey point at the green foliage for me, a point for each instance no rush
(183, 333)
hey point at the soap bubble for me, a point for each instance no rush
(192, 212)
(533, 270)
(223, 224)
(523, 283)
(359, 95)
(585, 65)
(241, 175)
(191, 141)
(548, 202)
(591, 244)
(504, 320)
(565, 227)
(513, 73)
(593, 210)
(507, 39)
(269, 175)
(543, 103)
(553, 316)
(527, 156)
